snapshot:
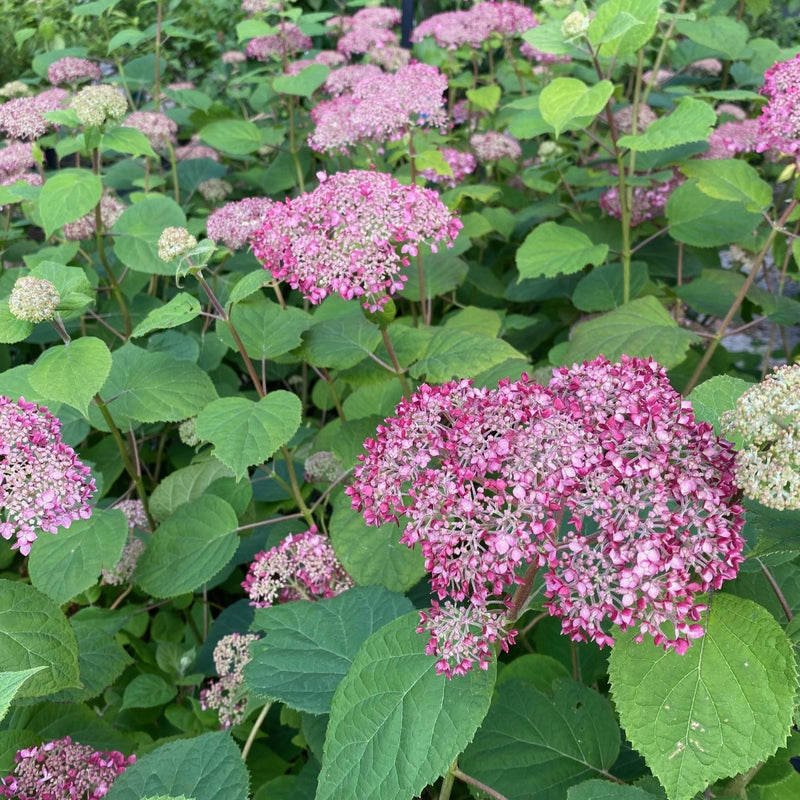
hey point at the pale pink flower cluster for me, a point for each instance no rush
(16, 160)
(623, 118)
(233, 57)
(485, 479)
(111, 209)
(72, 70)
(367, 29)
(195, 149)
(234, 223)
(363, 38)
(22, 118)
(712, 66)
(381, 108)
(328, 58)
(160, 130)
(461, 164)
(253, 7)
(779, 123)
(63, 770)
(227, 694)
(452, 29)
(43, 484)
(346, 78)
(122, 572)
(286, 42)
(493, 145)
(302, 567)
(647, 202)
(344, 237)
(390, 57)
(736, 136)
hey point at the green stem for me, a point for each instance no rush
(157, 75)
(468, 779)
(447, 782)
(662, 50)
(293, 145)
(254, 730)
(395, 363)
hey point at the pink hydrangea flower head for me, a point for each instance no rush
(72, 70)
(461, 164)
(227, 694)
(234, 223)
(233, 57)
(389, 57)
(346, 78)
(195, 149)
(780, 117)
(286, 42)
(655, 522)
(22, 118)
(302, 567)
(111, 209)
(16, 160)
(43, 484)
(736, 136)
(63, 770)
(160, 130)
(381, 108)
(351, 236)
(493, 145)
(377, 17)
(362, 38)
(648, 202)
(453, 29)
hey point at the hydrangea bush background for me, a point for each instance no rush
(393, 422)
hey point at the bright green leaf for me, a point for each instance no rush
(304, 84)
(602, 289)
(340, 343)
(725, 35)
(485, 97)
(551, 249)
(73, 286)
(130, 141)
(237, 137)
(147, 691)
(567, 103)
(67, 195)
(730, 179)
(621, 27)
(712, 398)
(12, 330)
(396, 725)
(605, 790)
(246, 433)
(691, 121)
(137, 231)
(181, 309)
(185, 485)
(715, 711)
(10, 684)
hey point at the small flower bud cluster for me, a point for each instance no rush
(22, 118)
(344, 236)
(63, 770)
(322, 467)
(33, 299)
(45, 486)
(236, 222)
(73, 70)
(187, 432)
(575, 25)
(302, 567)
(96, 105)
(461, 165)
(767, 418)
(486, 479)
(227, 694)
(214, 190)
(160, 130)
(493, 145)
(175, 242)
(286, 42)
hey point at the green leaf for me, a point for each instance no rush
(396, 725)
(452, 352)
(304, 84)
(485, 97)
(442, 272)
(68, 195)
(691, 121)
(548, 38)
(73, 286)
(236, 137)
(137, 231)
(567, 103)
(129, 141)
(602, 289)
(309, 647)
(253, 28)
(712, 292)
(152, 387)
(340, 343)
(11, 682)
(266, 330)
(551, 249)
(181, 309)
(185, 485)
(250, 284)
(534, 668)
(722, 34)
(33, 633)
(730, 179)
(207, 767)
(189, 548)
(70, 562)
(605, 790)
(717, 710)
(72, 373)
(640, 329)
(373, 555)
(246, 433)
(703, 221)
(712, 398)
(12, 330)
(147, 691)
(621, 27)
(533, 746)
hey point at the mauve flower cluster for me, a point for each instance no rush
(234, 223)
(226, 694)
(472, 27)
(111, 209)
(16, 160)
(63, 770)
(390, 57)
(160, 130)
(43, 484)
(367, 29)
(647, 202)
(286, 42)
(195, 149)
(22, 118)
(302, 567)
(779, 123)
(347, 77)
(328, 58)
(485, 479)
(735, 136)
(494, 145)
(72, 70)
(344, 236)
(381, 108)
(460, 163)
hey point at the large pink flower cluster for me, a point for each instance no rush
(452, 29)
(381, 107)
(286, 42)
(603, 479)
(234, 223)
(779, 123)
(43, 485)
(72, 70)
(302, 567)
(22, 118)
(352, 236)
(63, 770)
